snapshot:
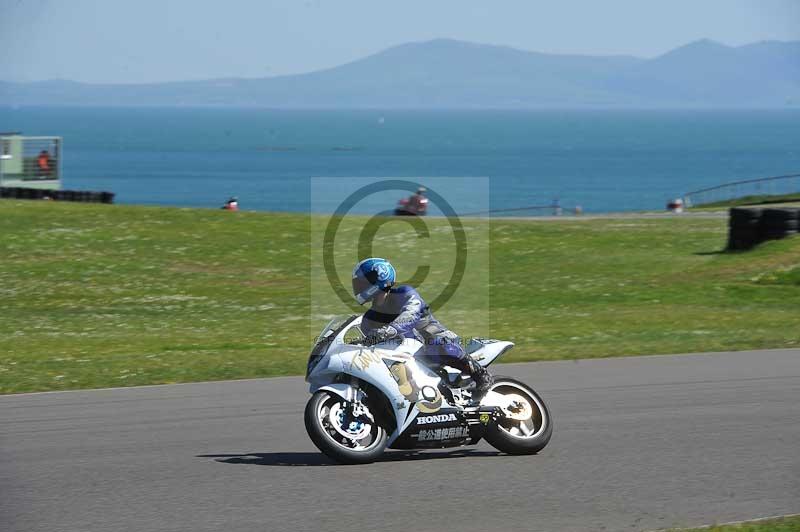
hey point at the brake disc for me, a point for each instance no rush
(355, 430)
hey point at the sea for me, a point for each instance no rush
(281, 160)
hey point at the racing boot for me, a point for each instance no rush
(483, 380)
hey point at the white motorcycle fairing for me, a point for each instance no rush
(421, 412)
(485, 350)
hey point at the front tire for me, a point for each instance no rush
(355, 443)
(520, 436)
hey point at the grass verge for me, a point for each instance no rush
(756, 199)
(98, 295)
(780, 524)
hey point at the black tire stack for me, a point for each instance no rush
(778, 223)
(743, 232)
(749, 227)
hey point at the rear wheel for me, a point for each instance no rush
(526, 424)
(340, 437)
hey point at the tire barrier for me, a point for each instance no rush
(749, 227)
(83, 196)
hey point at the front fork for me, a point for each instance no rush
(354, 409)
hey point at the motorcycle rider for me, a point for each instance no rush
(400, 312)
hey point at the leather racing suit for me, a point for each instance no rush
(403, 313)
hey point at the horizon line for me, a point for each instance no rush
(380, 51)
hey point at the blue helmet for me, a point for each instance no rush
(371, 276)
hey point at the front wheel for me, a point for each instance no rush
(526, 424)
(343, 440)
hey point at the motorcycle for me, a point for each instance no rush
(366, 398)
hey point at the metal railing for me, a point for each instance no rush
(554, 209)
(28, 161)
(764, 186)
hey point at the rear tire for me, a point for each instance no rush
(500, 434)
(331, 442)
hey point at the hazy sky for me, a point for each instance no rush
(158, 40)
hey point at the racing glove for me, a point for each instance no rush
(381, 334)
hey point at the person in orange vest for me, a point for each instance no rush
(43, 163)
(232, 204)
(418, 203)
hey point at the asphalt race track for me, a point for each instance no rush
(639, 444)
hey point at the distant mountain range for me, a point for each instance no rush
(452, 74)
